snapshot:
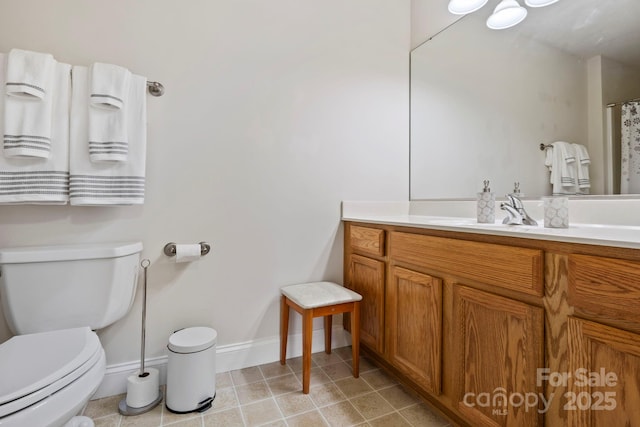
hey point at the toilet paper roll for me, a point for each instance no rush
(143, 391)
(188, 253)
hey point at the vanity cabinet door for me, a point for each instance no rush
(366, 277)
(499, 346)
(604, 380)
(414, 326)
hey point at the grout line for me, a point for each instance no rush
(235, 392)
(364, 394)
(273, 396)
(346, 398)
(332, 382)
(279, 410)
(314, 402)
(397, 410)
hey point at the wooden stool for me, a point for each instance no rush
(315, 300)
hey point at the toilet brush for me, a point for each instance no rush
(143, 388)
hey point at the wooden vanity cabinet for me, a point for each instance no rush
(462, 318)
(606, 348)
(414, 326)
(498, 348)
(366, 277)
(506, 267)
(604, 389)
(365, 274)
(495, 343)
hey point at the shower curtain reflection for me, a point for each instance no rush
(630, 148)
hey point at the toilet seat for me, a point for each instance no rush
(35, 366)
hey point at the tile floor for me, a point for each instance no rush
(271, 395)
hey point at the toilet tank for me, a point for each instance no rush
(46, 288)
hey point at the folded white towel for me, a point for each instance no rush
(27, 119)
(114, 183)
(109, 86)
(29, 73)
(36, 180)
(108, 92)
(582, 166)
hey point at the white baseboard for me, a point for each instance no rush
(228, 358)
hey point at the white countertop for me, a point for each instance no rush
(624, 236)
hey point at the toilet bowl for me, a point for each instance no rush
(48, 377)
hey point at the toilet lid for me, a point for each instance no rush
(34, 362)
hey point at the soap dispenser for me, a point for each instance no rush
(516, 190)
(486, 213)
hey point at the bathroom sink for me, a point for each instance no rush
(575, 230)
(472, 222)
(453, 221)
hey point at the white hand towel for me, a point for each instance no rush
(36, 180)
(27, 118)
(109, 86)
(559, 170)
(568, 166)
(549, 163)
(108, 140)
(29, 73)
(115, 183)
(108, 92)
(583, 162)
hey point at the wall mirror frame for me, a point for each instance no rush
(482, 101)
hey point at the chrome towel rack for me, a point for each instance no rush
(155, 88)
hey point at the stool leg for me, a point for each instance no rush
(328, 324)
(307, 338)
(284, 329)
(355, 339)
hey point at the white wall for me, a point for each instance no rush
(620, 82)
(274, 112)
(595, 125)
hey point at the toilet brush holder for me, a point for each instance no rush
(143, 388)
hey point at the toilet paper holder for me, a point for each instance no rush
(170, 249)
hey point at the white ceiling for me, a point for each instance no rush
(583, 27)
(590, 27)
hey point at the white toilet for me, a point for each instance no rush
(53, 298)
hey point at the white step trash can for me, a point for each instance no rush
(191, 370)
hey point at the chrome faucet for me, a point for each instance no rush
(516, 215)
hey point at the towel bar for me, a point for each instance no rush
(170, 249)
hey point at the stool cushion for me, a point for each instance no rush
(319, 294)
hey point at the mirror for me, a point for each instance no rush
(482, 101)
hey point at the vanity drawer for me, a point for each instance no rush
(509, 267)
(367, 240)
(606, 287)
